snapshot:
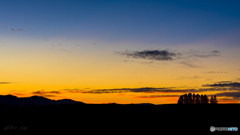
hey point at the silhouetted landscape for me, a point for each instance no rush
(33, 100)
(39, 115)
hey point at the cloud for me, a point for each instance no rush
(159, 55)
(223, 95)
(201, 54)
(215, 72)
(205, 88)
(46, 93)
(189, 64)
(43, 92)
(119, 90)
(17, 29)
(124, 90)
(165, 55)
(191, 77)
(189, 57)
(224, 84)
(73, 90)
(230, 88)
(149, 90)
(158, 96)
(5, 82)
(206, 55)
(215, 51)
(186, 58)
(235, 95)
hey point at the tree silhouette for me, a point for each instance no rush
(190, 98)
(202, 99)
(196, 99)
(213, 100)
(185, 99)
(206, 100)
(180, 100)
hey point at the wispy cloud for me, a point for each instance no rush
(224, 84)
(190, 77)
(218, 87)
(207, 54)
(234, 95)
(150, 90)
(232, 89)
(46, 93)
(158, 96)
(186, 58)
(189, 64)
(215, 51)
(17, 29)
(73, 90)
(134, 90)
(215, 72)
(5, 82)
(159, 55)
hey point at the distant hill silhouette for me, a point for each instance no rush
(33, 100)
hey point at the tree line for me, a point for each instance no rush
(196, 99)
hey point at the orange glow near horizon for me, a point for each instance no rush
(67, 71)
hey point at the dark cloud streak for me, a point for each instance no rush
(224, 84)
(158, 96)
(46, 93)
(216, 72)
(189, 64)
(235, 95)
(160, 55)
(17, 29)
(5, 82)
(150, 90)
(187, 58)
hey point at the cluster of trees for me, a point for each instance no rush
(196, 99)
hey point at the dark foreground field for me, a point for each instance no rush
(91, 119)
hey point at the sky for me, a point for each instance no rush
(120, 51)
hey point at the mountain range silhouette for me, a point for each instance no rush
(33, 100)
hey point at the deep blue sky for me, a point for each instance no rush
(148, 21)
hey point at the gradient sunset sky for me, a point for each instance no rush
(122, 51)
